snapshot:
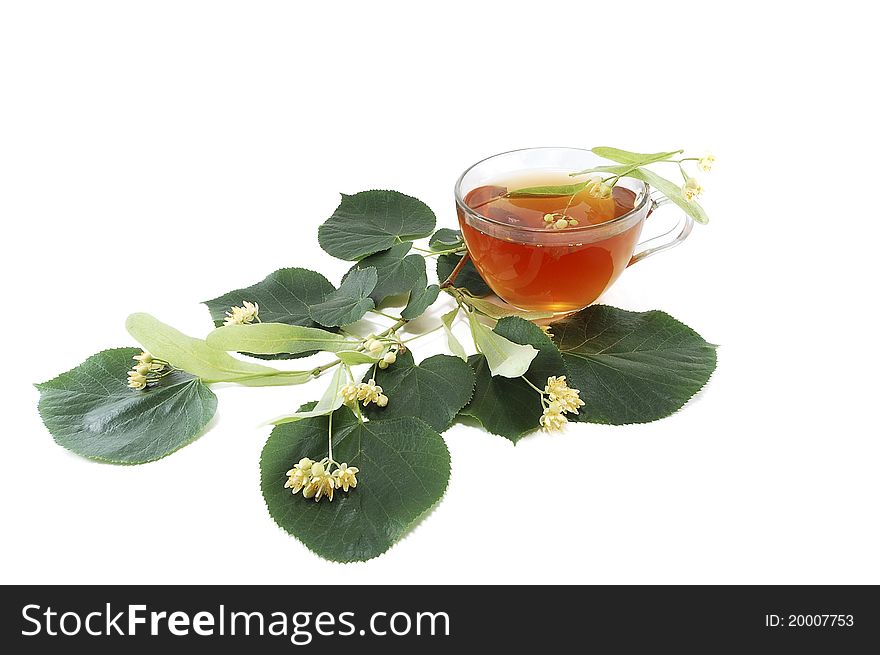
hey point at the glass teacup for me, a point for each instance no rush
(532, 266)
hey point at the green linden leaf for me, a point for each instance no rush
(510, 407)
(672, 191)
(284, 297)
(91, 411)
(506, 358)
(397, 272)
(403, 471)
(349, 302)
(195, 356)
(467, 278)
(421, 297)
(419, 302)
(633, 158)
(445, 239)
(433, 391)
(632, 367)
(372, 221)
(271, 338)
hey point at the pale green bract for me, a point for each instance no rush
(633, 158)
(329, 403)
(355, 357)
(496, 311)
(452, 341)
(673, 192)
(505, 358)
(196, 357)
(273, 338)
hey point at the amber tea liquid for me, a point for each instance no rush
(545, 269)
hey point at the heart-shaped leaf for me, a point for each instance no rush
(284, 297)
(505, 357)
(467, 278)
(421, 296)
(434, 391)
(510, 407)
(403, 471)
(271, 338)
(632, 367)
(198, 358)
(372, 221)
(349, 302)
(91, 411)
(397, 272)
(419, 301)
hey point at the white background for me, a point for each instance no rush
(153, 155)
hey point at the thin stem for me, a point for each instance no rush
(437, 253)
(419, 336)
(330, 438)
(388, 316)
(540, 391)
(320, 369)
(455, 271)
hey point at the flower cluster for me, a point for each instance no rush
(376, 347)
(557, 221)
(317, 481)
(691, 188)
(147, 370)
(561, 399)
(598, 188)
(244, 315)
(365, 392)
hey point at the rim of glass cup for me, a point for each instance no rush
(459, 199)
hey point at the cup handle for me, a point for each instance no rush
(667, 240)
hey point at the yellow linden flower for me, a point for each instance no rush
(382, 400)
(143, 358)
(345, 476)
(390, 357)
(298, 476)
(553, 419)
(705, 163)
(244, 315)
(374, 346)
(370, 392)
(601, 191)
(136, 380)
(559, 392)
(321, 483)
(349, 393)
(691, 189)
